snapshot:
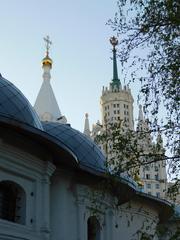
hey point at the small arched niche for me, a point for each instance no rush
(12, 202)
(94, 228)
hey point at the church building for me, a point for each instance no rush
(53, 180)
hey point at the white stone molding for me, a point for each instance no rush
(33, 175)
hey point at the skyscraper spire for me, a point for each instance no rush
(159, 141)
(87, 131)
(46, 105)
(142, 124)
(115, 81)
(140, 117)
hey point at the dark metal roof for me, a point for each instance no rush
(61, 153)
(14, 105)
(87, 152)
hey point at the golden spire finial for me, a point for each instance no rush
(47, 61)
(48, 43)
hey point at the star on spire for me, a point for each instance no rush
(115, 81)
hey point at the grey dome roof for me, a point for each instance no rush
(14, 105)
(88, 153)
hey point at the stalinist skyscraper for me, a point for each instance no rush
(116, 103)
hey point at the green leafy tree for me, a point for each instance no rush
(127, 150)
(149, 32)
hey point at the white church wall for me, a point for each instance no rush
(72, 204)
(71, 207)
(64, 212)
(32, 174)
(135, 218)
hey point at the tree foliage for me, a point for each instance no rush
(149, 36)
(127, 150)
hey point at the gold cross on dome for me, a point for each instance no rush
(48, 43)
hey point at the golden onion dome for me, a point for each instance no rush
(138, 180)
(47, 61)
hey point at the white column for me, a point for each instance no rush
(45, 208)
(109, 226)
(81, 221)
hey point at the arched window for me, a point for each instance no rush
(93, 228)
(12, 202)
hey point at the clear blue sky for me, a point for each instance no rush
(81, 51)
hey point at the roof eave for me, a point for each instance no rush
(56, 147)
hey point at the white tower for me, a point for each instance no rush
(117, 102)
(46, 105)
